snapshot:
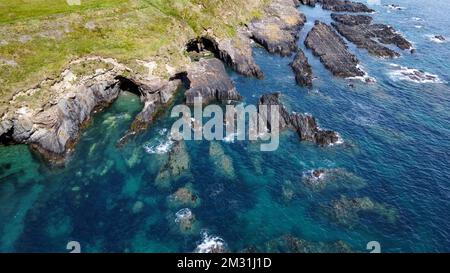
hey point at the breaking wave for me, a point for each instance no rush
(210, 244)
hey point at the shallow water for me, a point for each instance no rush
(397, 142)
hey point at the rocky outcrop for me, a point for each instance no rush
(304, 124)
(156, 94)
(278, 30)
(307, 129)
(209, 80)
(358, 30)
(223, 162)
(352, 20)
(344, 5)
(236, 52)
(302, 69)
(311, 3)
(332, 51)
(54, 128)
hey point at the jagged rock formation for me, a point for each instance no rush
(278, 30)
(351, 20)
(311, 3)
(54, 128)
(332, 51)
(236, 52)
(302, 69)
(358, 30)
(304, 124)
(344, 5)
(209, 80)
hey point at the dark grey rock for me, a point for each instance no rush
(344, 5)
(351, 20)
(302, 69)
(305, 125)
(209, 80)
(332, 51)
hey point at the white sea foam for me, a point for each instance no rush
(182, 214)
(365, 78)
(434, 39)
(403, 73)
(159, 145)
(340, 140)
(230, 138)
(210, 244)
(395, 7)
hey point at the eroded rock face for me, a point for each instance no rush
(236, 52)
(156, 95)
(358, 30)
(344, 5)
(54, 129)
(278, 30)
(304, 124)
(302, 69)
(307, 129)
(311, 3)
(332, 51)
(352, 20)
(209, 80)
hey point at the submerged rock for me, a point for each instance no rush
(332, 51)
(344, 5)
(302, 69)
(358, 30)
(322, 179)
(184, 197)
(223, 162)
(291, 244)
(208, 79)
(186, 221)
(278, 30)
(304, 124)
(346, 211)
(176, 166)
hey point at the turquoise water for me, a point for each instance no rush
(396, 144)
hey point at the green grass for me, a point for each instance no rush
(44, 35)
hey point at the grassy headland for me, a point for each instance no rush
(38, 38)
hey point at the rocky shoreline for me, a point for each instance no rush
(53, 128)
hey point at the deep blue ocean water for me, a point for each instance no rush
(396, 140)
